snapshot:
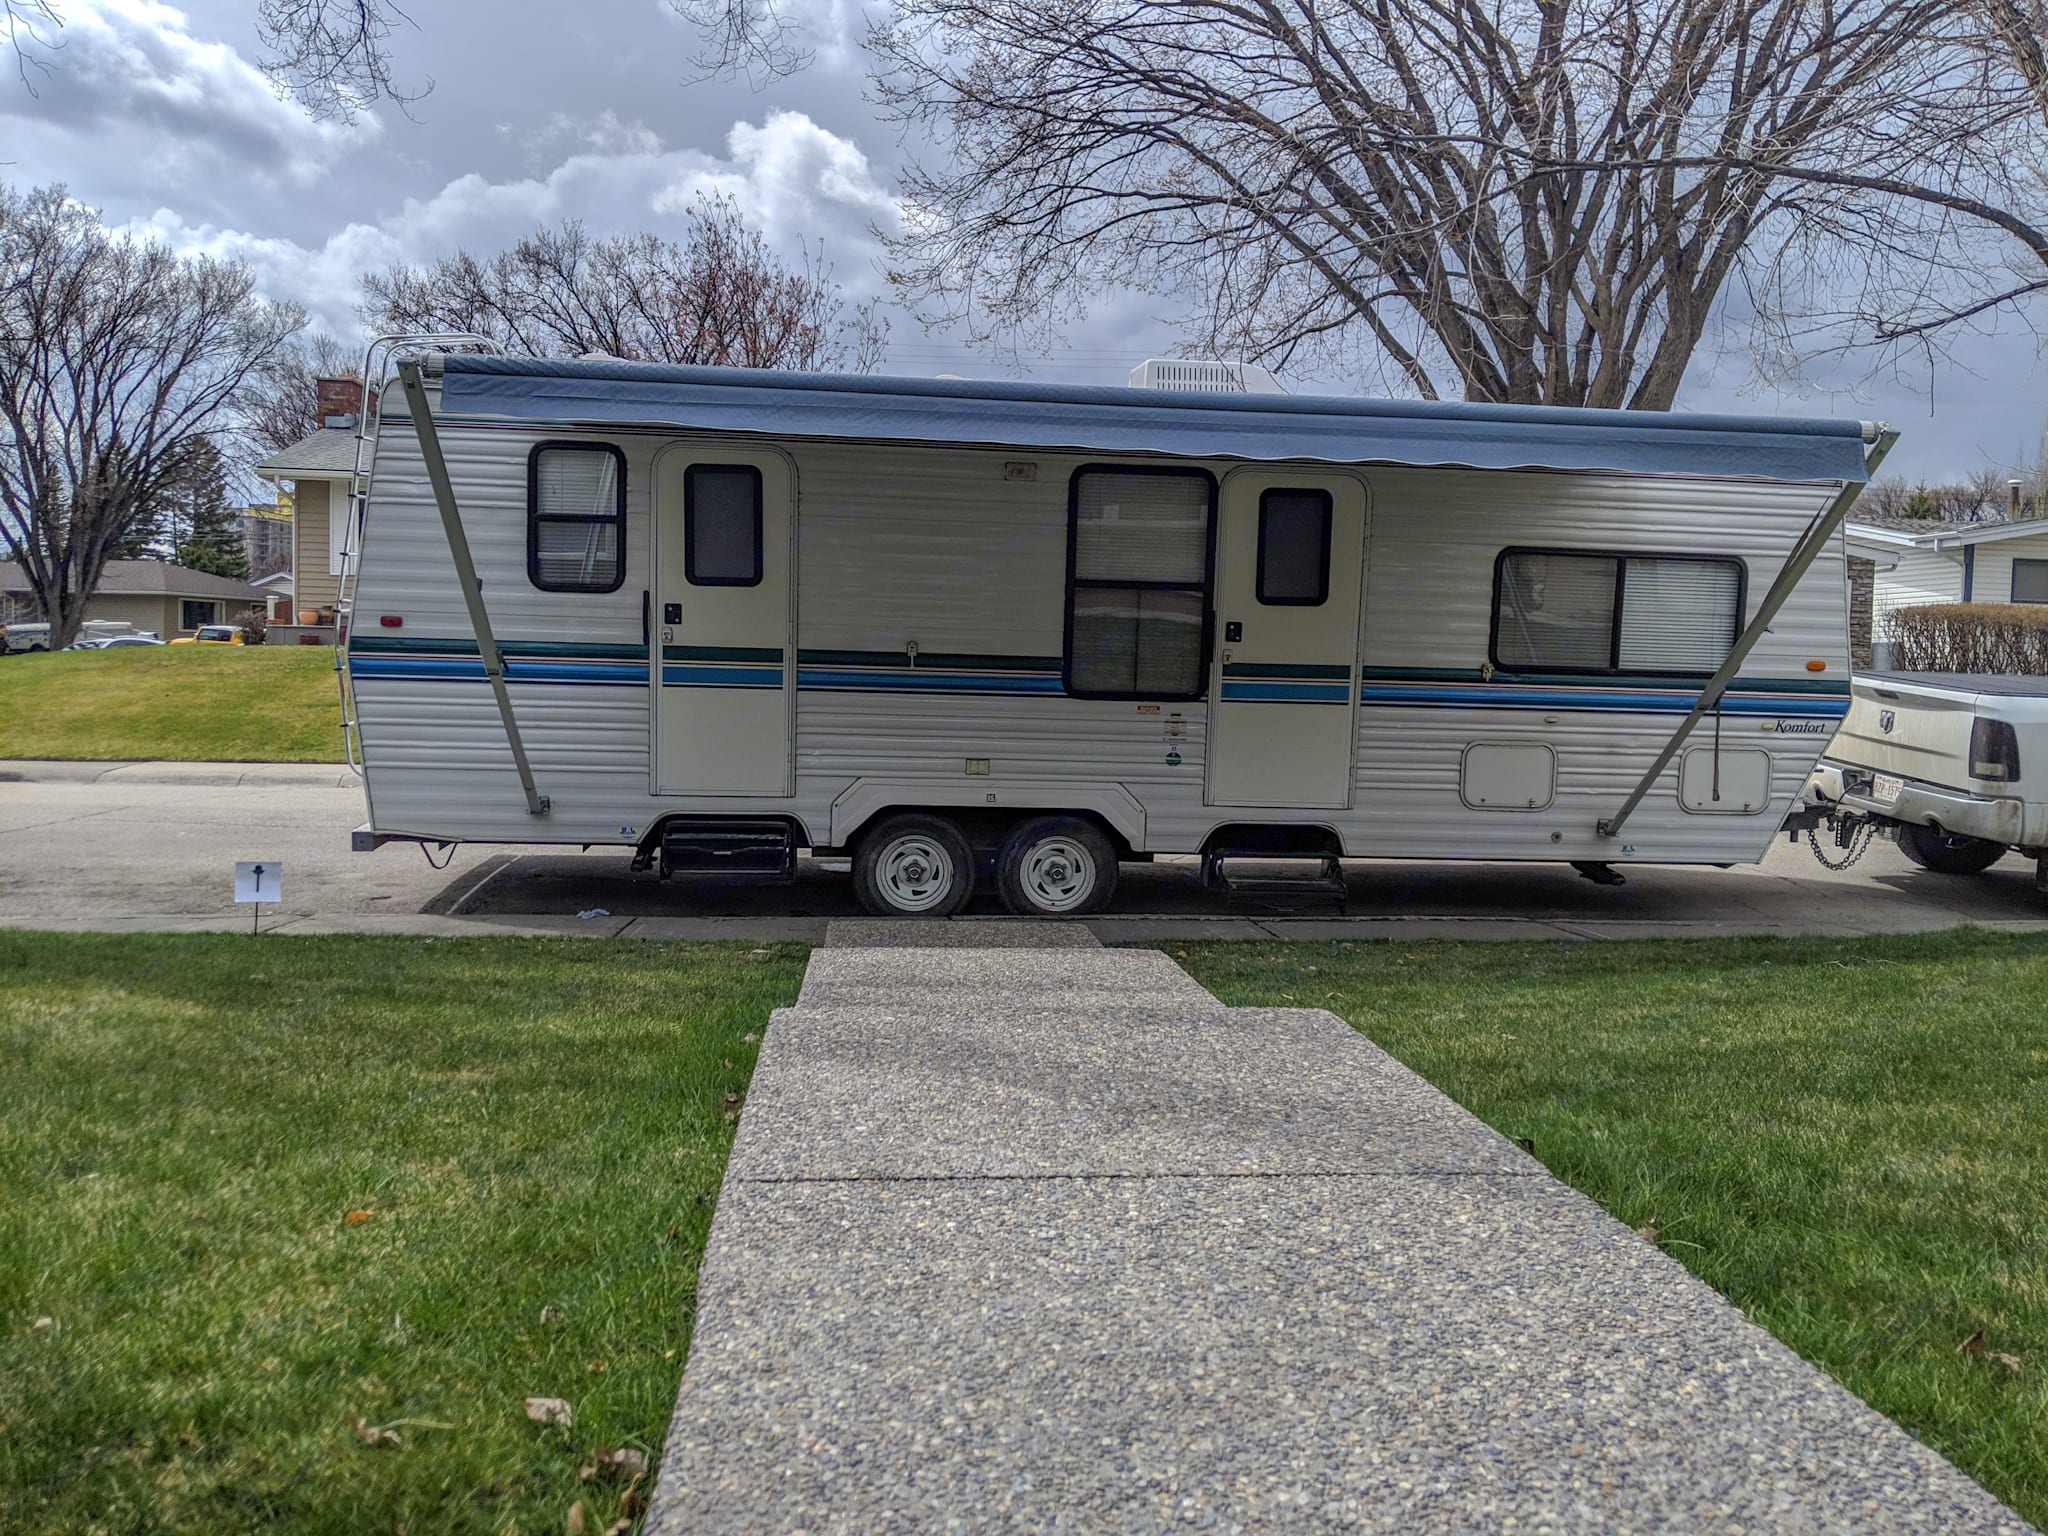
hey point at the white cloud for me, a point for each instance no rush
(794, 180)
(132, 86)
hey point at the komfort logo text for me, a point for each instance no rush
(1801, 727)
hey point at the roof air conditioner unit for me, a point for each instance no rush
(1209, 375)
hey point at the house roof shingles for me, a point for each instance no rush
(148, 578)
(327, 453)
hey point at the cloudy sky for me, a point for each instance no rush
(158, 116)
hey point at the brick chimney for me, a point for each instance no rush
(338, 398)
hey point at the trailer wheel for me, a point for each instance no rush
(913, 866)
(1948, 853)
(1056, 866)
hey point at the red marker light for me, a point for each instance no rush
(391, 621)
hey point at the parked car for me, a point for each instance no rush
(120, 641)
(1934, 760)
(212, 634)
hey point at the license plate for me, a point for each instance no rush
(1887, 788)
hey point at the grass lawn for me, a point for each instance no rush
(260, 1187)
(1847, 1138)
(225, 703)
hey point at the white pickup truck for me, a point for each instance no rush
(1954, 766)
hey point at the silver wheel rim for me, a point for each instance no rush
(915, 873)
(1058, 874)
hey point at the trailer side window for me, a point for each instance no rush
(1294, 548)
(576, 517)
(1138, 583)
(1577, 611)
(722, 525)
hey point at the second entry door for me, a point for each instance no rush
(1284, 691)
(720, 623)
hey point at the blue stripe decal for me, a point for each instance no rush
(630, 674)
(1598, 700)
(926, 682)
(1289, 693)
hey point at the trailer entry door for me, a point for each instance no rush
(1284, 691)
(720, 622)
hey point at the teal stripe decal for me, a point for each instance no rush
(733, 653)
(1285, 670)
(929, 661)
(560, 650)
(1827, 686)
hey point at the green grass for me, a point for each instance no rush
(536, 1130)
(1848, 1139)
(193, 703)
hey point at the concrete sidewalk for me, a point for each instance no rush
(1030, 1238)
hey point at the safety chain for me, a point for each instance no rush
(1858, 844)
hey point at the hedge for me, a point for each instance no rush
(2006, 638)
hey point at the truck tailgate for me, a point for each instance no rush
(1914, 730)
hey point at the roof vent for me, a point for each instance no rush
(1209, 375)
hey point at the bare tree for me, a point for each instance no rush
(334, 56)
(31, 27)
(718, 296)
(1536, 200)
(113, 354)
(276, 408)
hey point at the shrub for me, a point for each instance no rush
(255, 629)
(2006, 638)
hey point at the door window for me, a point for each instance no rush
(722, 525)
(1294, 548)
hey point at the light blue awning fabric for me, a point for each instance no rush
(1101, 419)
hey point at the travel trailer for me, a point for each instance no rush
(957, 630)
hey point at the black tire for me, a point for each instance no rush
(1056, 866)
(913, 866)
(1948, 853)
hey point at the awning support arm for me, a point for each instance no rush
(465, 575)
(1804, 553)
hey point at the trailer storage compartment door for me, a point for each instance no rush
(1284, 691)
(720, 621)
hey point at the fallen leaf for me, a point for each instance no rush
(373, 1434)
(686, 1151)
(633, 1503)
(551, 1316)
(356, 1218)
(550, 1410)
(726, 1062)
(668, 1354)
(625, 1462)
(750, 1037)
(620, 1526)
(1974, 1345)
(43, 1325)
(596, 1367)
(575, 1525)
(673, 1234)
(1648, 1231)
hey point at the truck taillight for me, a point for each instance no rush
(1994, 750)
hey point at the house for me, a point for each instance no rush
(152, 595)
(315, 473)
(1917, 560)
(278, 600)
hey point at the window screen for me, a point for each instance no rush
(1294, 548)
(576, 518)
(2030, 581)
(1568, 611)
(722, 525)
(1139, 599)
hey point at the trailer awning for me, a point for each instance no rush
(1101, 419)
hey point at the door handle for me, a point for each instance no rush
(646, 617)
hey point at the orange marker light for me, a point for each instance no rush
(1816, 666)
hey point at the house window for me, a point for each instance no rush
(576, 517)
(2030, 581)
(194, 612)
(1294, 548)
(722, 525)
(1138, 544)
(1577, 611)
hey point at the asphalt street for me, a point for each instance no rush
(98, 846)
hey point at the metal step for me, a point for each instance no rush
(1321, 883)
(758, 852)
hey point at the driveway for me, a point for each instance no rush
(103, 846)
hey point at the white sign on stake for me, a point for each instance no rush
(261, 881)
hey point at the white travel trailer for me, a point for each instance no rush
(948, 628)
